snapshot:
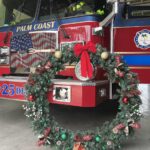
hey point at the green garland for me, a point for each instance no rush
(111, 134)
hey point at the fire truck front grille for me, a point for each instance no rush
(26, 60)
(41, 44)
(44, 40)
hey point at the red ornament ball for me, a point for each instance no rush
(125, 100)
(87, 137)
(47, 132)
(31, 98)
(41, 142)
(48, 65)
(135, 125)
(120, 126)
(120, 74)
(77, 138)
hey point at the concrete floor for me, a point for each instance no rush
(16, 132)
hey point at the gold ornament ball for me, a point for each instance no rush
(58, 54)
(104, 55)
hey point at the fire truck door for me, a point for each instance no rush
(132, 38)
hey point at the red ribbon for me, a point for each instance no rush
(86, 66)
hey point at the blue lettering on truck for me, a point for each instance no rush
(11, 90)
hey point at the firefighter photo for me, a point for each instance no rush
(79, 7)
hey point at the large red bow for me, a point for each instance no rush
(86, 67)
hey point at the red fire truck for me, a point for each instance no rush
(30, 31)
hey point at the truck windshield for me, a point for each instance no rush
(66, 8)
(16, 11)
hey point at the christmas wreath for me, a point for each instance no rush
(111, 134)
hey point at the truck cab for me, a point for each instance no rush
(45, 22)
(32, 30)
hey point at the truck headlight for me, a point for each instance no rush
(4, 50)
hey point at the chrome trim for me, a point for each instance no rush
(79, 83)
(139, 67)
(131, 52)
(14, 79)
(57, 81)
